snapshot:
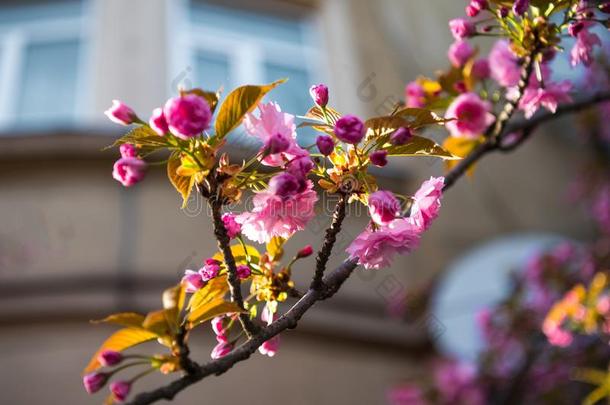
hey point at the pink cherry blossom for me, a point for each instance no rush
(548, 97)
(471, 116)
(192, 281)
(383, 206)
(582, 51)
(273, 215)
(129, 171)
(406, 395)
(272, 122)
(460, 52)
(127, 150)
(427, 203)
(270, 347)
(187, 116)
(121, 113)
(232, 227)
(375, 248)
(461, 28)
(415, 95)
(158, 122)
(504, 64)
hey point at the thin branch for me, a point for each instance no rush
(329, 242)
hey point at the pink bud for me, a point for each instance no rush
(94, 381)
(520, 6)
(480, 69)
(218, 326)
(319, 94)
(128, 150)
(350, 129)
(472, 11)
(270, 347)
(383, 206)
(120, 113)
(460, 87)
(415, 95)
(503, 12)
(120, 390)
(243, 271)
(305, 252)
(459, 53)
(325, 144)
(187, 116)
(462, 28)
(379, 158)
(575, 27)
(232, 227)
(129, 171)
(192, 281)
(158, 122)
(221, 350)
(284, 185)
(109, 358)
(210, 269)
(401, 136)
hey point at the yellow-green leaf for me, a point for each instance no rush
(211, 97)
(211, 310)
(129, 319)
(419, 117)
(183, 184)
(119, 341)
(317, 114)
(241, 256)
(158, 322)
(238, 103)
(275, 248)
(173, 302)
(143, 137)
(214, 289)
(420, 146)
(381, 126)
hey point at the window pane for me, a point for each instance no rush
(292, 96)
(212, 71)
(40, 97)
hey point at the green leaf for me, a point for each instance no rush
(420, 117)
(119, 341)
(129, 319)
(144, 138)
(420, 146)
(158, 322)
(238, 103)
(182, 184)
(212, 310)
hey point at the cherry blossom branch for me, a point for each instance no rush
(329, 242)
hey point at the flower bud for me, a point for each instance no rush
(129, 171)
(221, 350)
(187, 116)
(325, 144)
(472, 11)
(243, 271)
(305, 252)
(350, 129)
(521, 6)
(319, 94)
(128, 150)
(480, 69)
(192, 281)
(401, 136)
(94, 381)
(605, 8)
(383, 206)
(210, 269)
(218, 326)
(459, 53)
(120, 390)
(462, 28)
(460, 86)
(158, 122)
(379, 158)
(121, 113)
(232, 227)
(109, 358)
(270, 347)
(575, 27)
(284, 185)
(503, 12)
(415, 95)
(277, 143)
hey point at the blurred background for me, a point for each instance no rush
(75, 245)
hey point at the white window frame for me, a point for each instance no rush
(16, 37)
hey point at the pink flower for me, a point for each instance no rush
(192, 281)
(350, 129)
(158, 122)
(460, 52)
(129, 171)
(284, 185)
(319, 94)
(375, 248)
(273, 215)
(121, 113)
(456, 383)
(504, 64)
(480, 69)
(187, 116)
(232, 227)
(548, 97)
(415, 95)
(406, 395)
(383, 206)
(472, 116)
(243, 271)
(270, 347)
(127, 150)
(109, 358)
(427, 203)
(120, 390)
(94, 381)
(379, 158)
(462, 28)
(218, 326)
(556, 335)
(325, 144)
(300, 167)
(210, 269)
(474, 8)
(582, 51)
(272, 122)
(221, 350)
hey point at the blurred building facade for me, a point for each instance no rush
(75, 245)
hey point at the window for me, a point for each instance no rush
(41, 63)
(229, 47)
